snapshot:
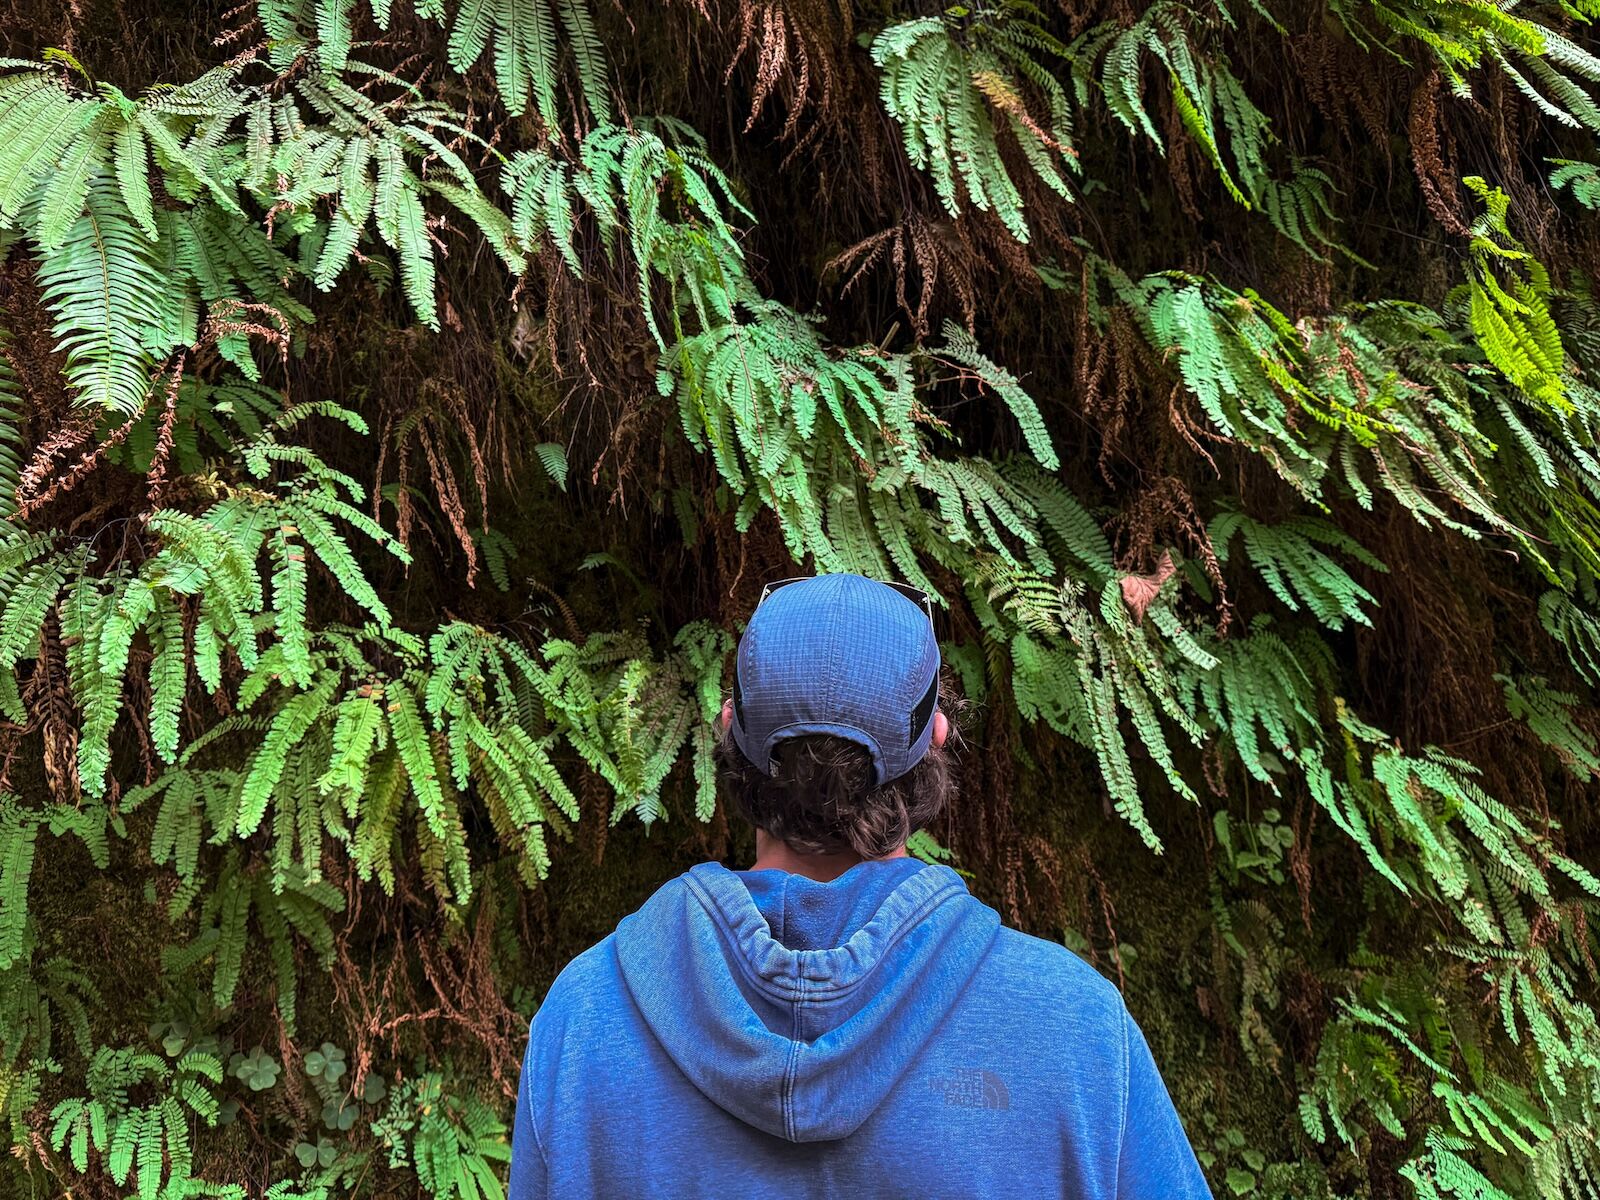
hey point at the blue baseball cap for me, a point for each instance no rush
(841, 655)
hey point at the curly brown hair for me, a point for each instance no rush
(820, 798)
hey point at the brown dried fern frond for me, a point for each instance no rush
(933, 250)
(794, 46)
(1436, 179)
(437, 423)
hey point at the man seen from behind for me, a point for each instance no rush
(840, 1020)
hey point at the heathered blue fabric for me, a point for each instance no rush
(760, 1034)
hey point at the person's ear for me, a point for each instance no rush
(941, 729)
(727, 717)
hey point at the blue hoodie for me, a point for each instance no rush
(757, 1033)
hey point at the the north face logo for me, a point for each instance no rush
(969, 1087)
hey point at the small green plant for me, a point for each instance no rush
(454, 1142)
(1253, 849)
(135, 1117)
(1117, 961)
(326, 1063)
(257, 1070)
(322, 1153)
(1230, 1155)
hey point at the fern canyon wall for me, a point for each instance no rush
(403, 402)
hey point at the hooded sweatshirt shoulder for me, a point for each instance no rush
(762, 1034)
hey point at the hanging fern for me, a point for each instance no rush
(1512, 321)
(1296, 570)
(952, 82)
(107, 289)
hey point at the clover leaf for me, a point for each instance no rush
(327, 1061)
(173, 1036)
(322, 1154)
(258, 1069)
(173, 1042)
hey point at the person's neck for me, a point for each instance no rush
(774, 854)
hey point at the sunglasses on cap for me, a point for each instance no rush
(898, 728)
(914, 594)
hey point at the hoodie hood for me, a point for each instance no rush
(794, 1005)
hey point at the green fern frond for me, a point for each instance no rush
(106, 287)
(947, 82)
